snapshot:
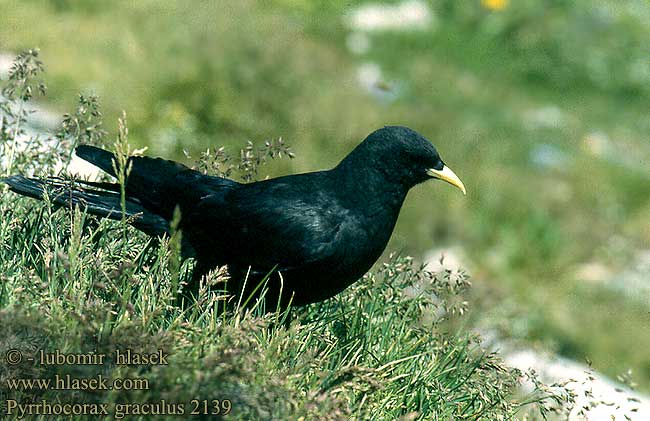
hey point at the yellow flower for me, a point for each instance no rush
(495, 4)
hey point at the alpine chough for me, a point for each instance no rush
(309, 235)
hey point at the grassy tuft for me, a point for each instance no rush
(395, 345)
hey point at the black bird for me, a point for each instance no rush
(320, 230)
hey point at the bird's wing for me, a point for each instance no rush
(269, 225)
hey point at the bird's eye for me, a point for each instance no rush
(438, 164)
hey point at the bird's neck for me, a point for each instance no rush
(369, 190)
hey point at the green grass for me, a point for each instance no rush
(393, 346)
(224, 72)
(74, 286)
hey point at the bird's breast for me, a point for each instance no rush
(366, 239)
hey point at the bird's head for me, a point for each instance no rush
(402, 155)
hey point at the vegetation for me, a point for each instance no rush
(539, 106)
(74, 287)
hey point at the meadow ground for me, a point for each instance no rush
(540, 107)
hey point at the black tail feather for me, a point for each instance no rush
(106, 204)
(98, 157)
(151, 180)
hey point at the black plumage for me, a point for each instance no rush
(320, 230)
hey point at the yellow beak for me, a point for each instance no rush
(446, 174)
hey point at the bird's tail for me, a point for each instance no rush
(100, 199)
(150, 180)
(97, 156)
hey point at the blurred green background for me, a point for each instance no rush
(540, 106)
